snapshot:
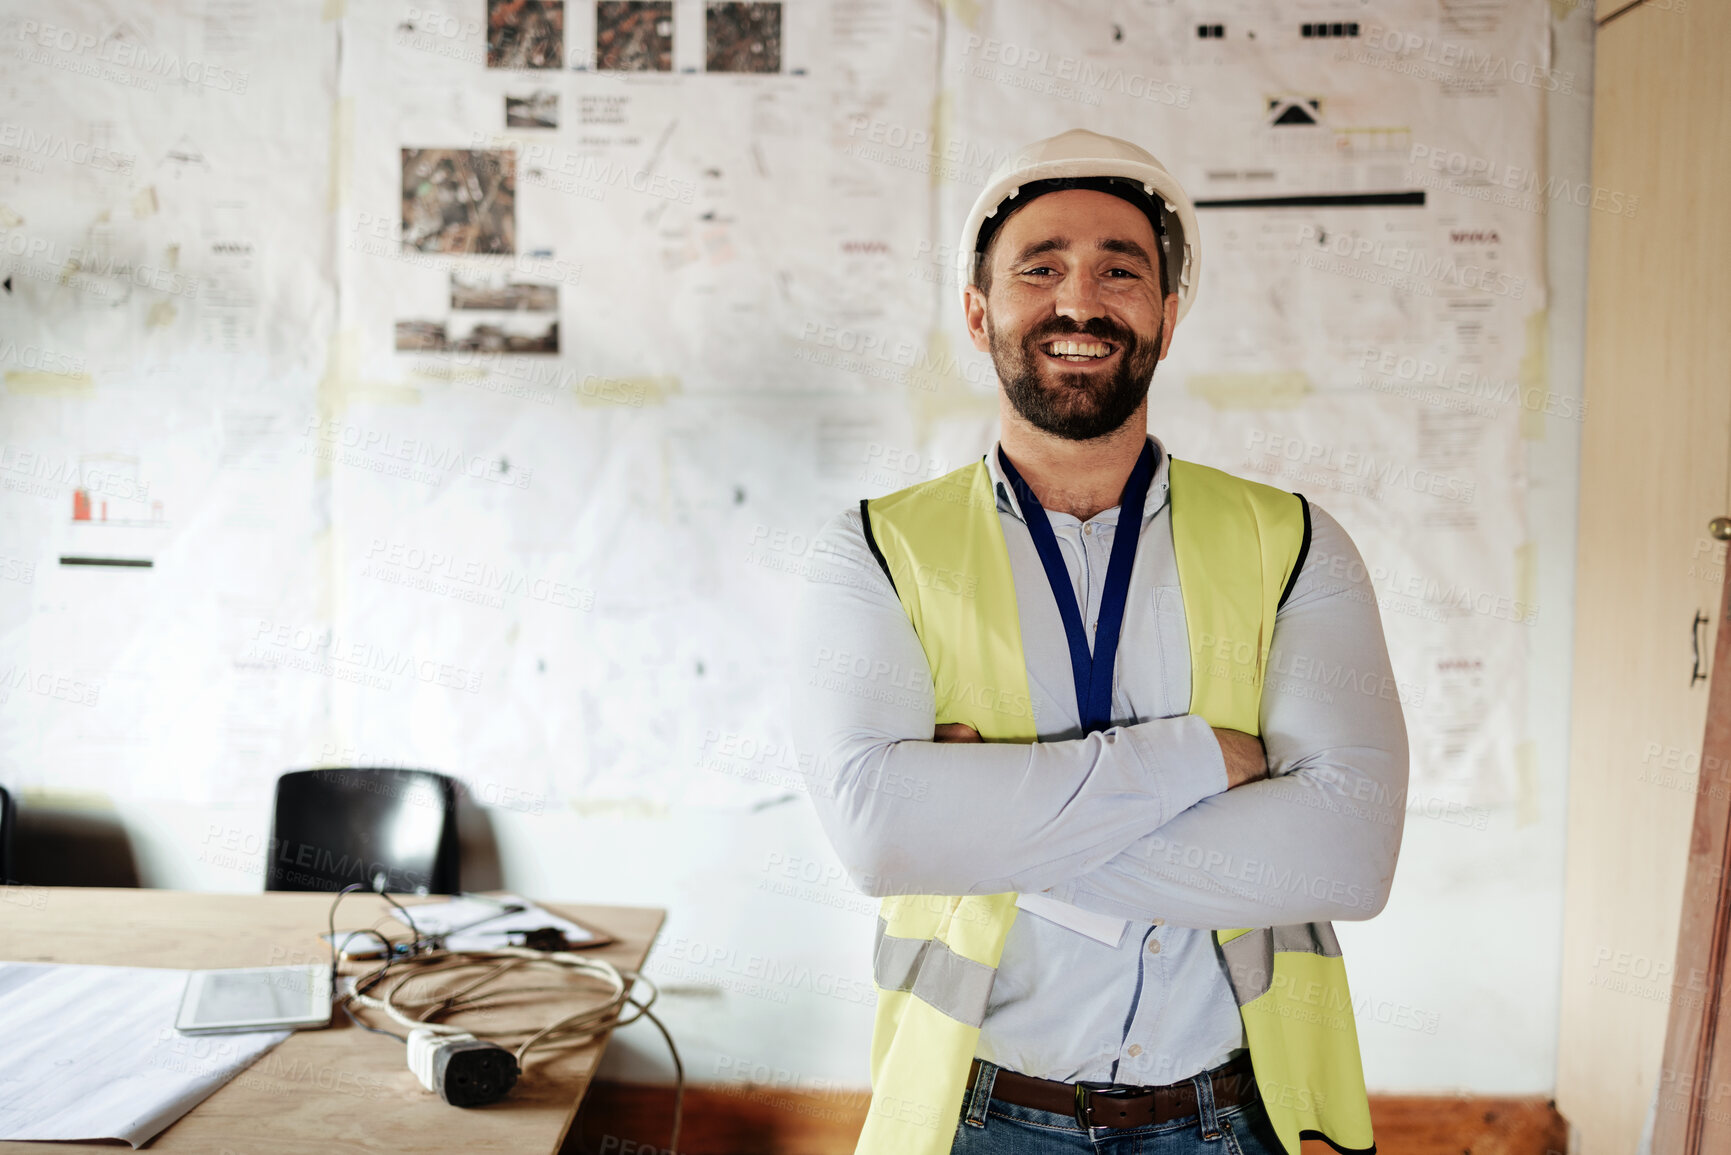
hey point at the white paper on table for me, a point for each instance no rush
(485, 925)
(90, 1052)
(1099, 927)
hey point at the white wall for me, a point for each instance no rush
(765, 957)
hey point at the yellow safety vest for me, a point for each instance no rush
(1238, 544)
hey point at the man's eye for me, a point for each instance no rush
(1126, 272)
(1041, 269)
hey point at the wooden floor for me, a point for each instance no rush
(623, 1119)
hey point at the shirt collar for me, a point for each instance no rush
(1157, 487)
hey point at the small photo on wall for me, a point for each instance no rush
(539, 109)
(420, 336)
(634, 35)
(458, 200)
(742, 37)
(501, 292)
(503, 333)
(525, 33)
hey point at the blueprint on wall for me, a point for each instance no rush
(468, 397)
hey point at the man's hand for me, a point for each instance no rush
(957, 732)
(1246, 760)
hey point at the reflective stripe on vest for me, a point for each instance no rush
(1239, 545)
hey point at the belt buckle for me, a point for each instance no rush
(1086, 1092)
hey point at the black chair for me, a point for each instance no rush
(6, 821)
(340, 825)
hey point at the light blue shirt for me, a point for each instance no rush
(1135, 822)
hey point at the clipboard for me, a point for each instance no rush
(465, 923)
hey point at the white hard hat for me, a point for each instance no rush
(1083, 154)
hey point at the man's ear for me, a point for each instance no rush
(1171, 310)
(974, 308)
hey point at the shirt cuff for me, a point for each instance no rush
(1182, 759)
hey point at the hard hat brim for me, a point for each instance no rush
(998, 196)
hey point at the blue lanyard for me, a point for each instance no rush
(1092, 671)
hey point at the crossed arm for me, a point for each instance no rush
(1164, 818)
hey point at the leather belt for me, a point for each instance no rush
(1118, 1105)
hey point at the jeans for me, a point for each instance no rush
(990, 1127)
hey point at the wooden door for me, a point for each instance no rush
(1693, 1116)
(1655, 448)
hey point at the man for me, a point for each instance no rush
(1113, 735)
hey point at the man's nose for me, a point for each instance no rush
(1079, 298)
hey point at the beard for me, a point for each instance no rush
(1077, 406)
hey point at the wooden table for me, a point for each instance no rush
(329, 1092)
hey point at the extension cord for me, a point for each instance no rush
(464, 1071)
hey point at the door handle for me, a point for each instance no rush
(1697, 674)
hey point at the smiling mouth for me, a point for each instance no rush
(1078, 352)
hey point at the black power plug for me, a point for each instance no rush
(463, 1070)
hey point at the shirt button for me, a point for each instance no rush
(1088, 530)
(1134, 1050)
(1153, 946)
